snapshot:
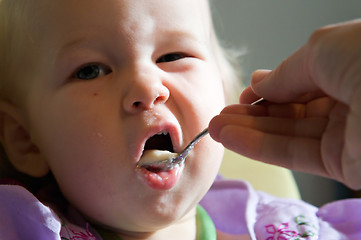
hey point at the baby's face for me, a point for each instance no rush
(114, 74)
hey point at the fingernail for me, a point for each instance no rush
(259, 75)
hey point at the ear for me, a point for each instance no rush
(23, 154)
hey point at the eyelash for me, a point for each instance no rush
(99, 70)
(171, 57)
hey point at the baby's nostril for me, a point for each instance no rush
(136, 104)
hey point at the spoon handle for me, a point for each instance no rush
(190, 146)
(182, 155)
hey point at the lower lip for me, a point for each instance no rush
(161, 180)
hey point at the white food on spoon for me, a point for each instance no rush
(151, 156)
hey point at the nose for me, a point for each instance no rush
(145, 90)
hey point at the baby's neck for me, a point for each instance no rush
(186, 229)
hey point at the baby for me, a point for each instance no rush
(87, 89)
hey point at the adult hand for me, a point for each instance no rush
(312, 118)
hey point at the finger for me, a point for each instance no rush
(259, 74)
(279, 150)
(304, 127)
(353, 131)
(351, 171)
(245, 109)
(352, 152)
(248, 96)
(319, 107)
(310, 117)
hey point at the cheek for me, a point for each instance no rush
(77, 144)
(212, 155)
(205, 100)
(71, 151)
(208, 97)
(86, 167)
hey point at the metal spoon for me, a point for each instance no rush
(170, 163)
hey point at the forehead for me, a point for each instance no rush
(60, 17)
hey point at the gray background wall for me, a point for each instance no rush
(271, 30)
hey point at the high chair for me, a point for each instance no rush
(275, 180)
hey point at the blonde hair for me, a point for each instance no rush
(227, 61)
(14, 50)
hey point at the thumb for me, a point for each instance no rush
(288, 82)
(329, 62)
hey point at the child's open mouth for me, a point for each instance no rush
(156, 148)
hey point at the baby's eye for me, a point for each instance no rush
(171, 57)
(91, 71)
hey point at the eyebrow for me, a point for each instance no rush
(188, 36)
(183, 34)
(84, 42)
(78, 42)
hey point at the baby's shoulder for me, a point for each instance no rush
(23, 215)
